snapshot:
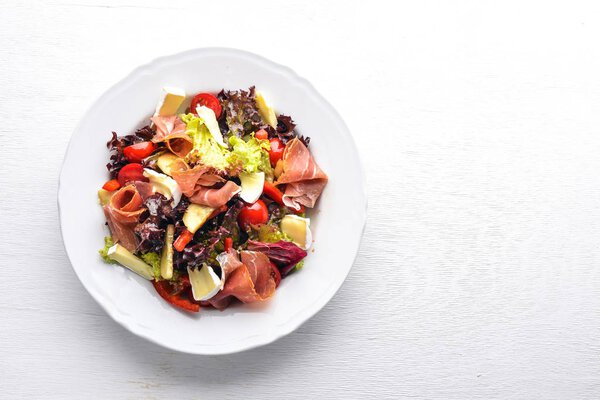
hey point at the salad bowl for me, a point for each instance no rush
(337, 221)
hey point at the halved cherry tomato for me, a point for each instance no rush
(262, 135)
(137, 152)
(228, 243)
(131, 172)
(253, 214)
(276, 152)
(182, 240)
(175, 296)
(274, 193)
(111, 185)
(207, 100)
(276, 274)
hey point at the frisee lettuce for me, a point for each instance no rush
(153, 260)
(108, 243)
(251, 155)
(206, 150)
(245, 155)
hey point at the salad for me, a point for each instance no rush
(208, 201)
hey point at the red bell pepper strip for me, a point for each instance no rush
(218, 211)
(228, 244)
(164, 289)
(271, 190)
(111, 185)
(182, 240)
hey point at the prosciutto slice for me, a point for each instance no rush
(122, 213)
(303, 178)
(198, 185)
(144, 189)
(171, 130)
(248, 281)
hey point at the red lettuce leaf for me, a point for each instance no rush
(284, 254)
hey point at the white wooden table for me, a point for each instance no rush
(479, 128)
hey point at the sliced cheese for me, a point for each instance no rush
(298, 229)
(205, 282)
(124, 257)
(208, 116)
(164, 185)
(252, 186)
(171, 100)
(265, 111)
(195, 216)
(165, 161)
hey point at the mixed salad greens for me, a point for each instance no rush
(208, 201)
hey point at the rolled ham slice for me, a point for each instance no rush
(303, 178)
(171, 130)
(122, 213)
(198, 184)
(248, 281)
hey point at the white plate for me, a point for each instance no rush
(337, 221)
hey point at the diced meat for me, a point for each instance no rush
(171, 130)
(303, 178)
(198, 184)
(122, 213)
(250, 281)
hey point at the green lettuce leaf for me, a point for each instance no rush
(206, 150)
(108, 243)
(153, 260)
(252, 155)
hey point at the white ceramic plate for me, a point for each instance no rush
(337, 221)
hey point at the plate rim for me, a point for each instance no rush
(127, 320)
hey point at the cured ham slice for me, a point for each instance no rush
(215, 198)
(144, 189)
(171, 130)
(303, 178)
(122, 213)
(198, 185)
(248, 281)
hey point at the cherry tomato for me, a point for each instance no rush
(253, 214)
(137, 152)
(207, 100)
(276, 274)
(262, 135)
(131, 172)
(111, 185)
(276, 152)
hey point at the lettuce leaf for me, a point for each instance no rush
(206, 150)
(153, 260)
(252, 155)
(108, 243)
(286, 255)
(241, 112)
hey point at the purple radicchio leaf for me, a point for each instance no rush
(284, 254)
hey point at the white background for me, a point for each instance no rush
(479, 129)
